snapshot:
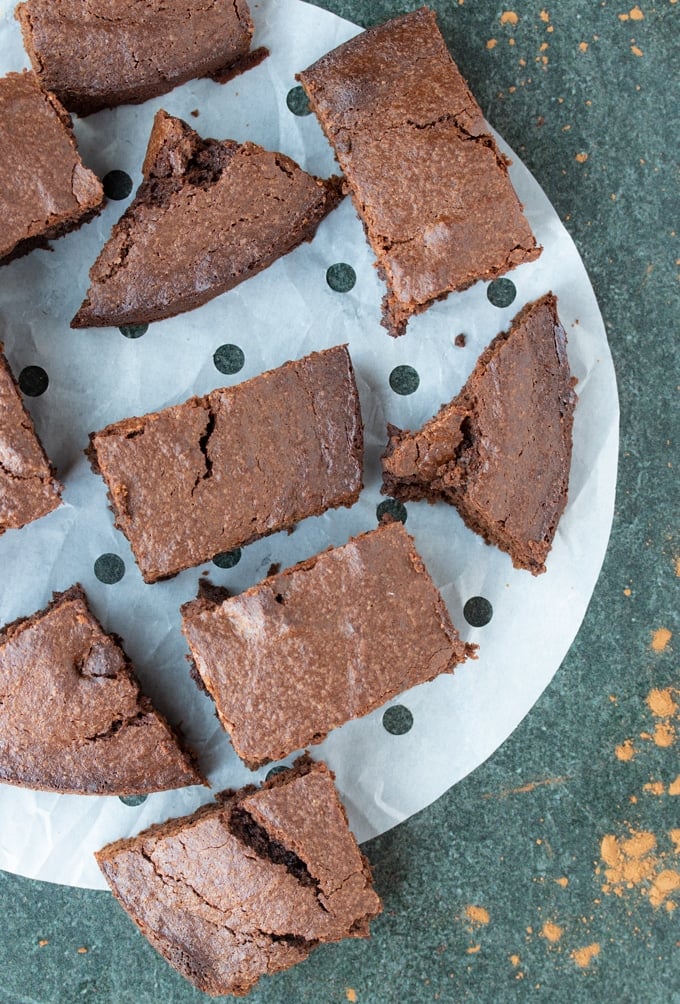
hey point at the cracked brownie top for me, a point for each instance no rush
(249, 885)
(220, 471)
(73, 718)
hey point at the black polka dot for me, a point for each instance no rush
(117, 185)
(404, 380)
(390, 507)
(274, 771)
(341, 277)
(227, 559)
(33, 381)
(132, 800)
(297, 101)
(477, 611)
(109, 568)
(229, 359)
(397, 720)
(133, 330)
(501, 292)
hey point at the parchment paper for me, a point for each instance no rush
(99, 376)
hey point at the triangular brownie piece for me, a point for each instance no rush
(501, 450)
(73, 719)
(207, 215)
(247, 886)
(28, 488)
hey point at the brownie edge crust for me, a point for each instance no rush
(249, 885)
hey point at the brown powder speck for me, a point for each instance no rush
(636, 50)
(492, 43)
(660, 702)
(664, 735)
(654, 787)
(351, 995)
(674, 786)
(473, 949)
(550, 28)
(624, 17)
(627, 591)
(511, 41)
(195, 112)
(509, 17)
(664, 885)
(625, 751)
(552, 932)
(43, 942)
(477, 914)
(581, 157)
(636, 14)
(543, 46)
(460, 341)
(563, 881)
(583, 46)
(544, 16)
(660, 639)
(584, 956)
(515, 960)
(82, 950)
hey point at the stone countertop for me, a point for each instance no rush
(552, 873)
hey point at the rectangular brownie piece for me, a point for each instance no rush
(220, 471)
(426, 177)
(325, 641)
(249, 885)
(47, 190)
(28, 488)
(96, 56)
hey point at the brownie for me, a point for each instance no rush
(28, 487)
(47, 189)
(73, 718)
(500, 452)
(207, 216)
(249, 885)
(426, 177)
(325, 641)
(220, 471)
(115, 52)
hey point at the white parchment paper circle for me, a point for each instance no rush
(99, 376)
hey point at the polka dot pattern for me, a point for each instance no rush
(117, 185)
(227, 559)
(298, 102)
(404, 380)
(341, 277)
(109, 568)
(229, 359)
(397, 720)
(132, 800)
(477, 611)
(133, 330)
(33, 381)
(390, 507)
(501, 292)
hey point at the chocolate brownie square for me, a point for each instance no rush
(426, 177)
(220, 471)
(318, 644)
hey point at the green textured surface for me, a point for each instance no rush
(538, 810)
